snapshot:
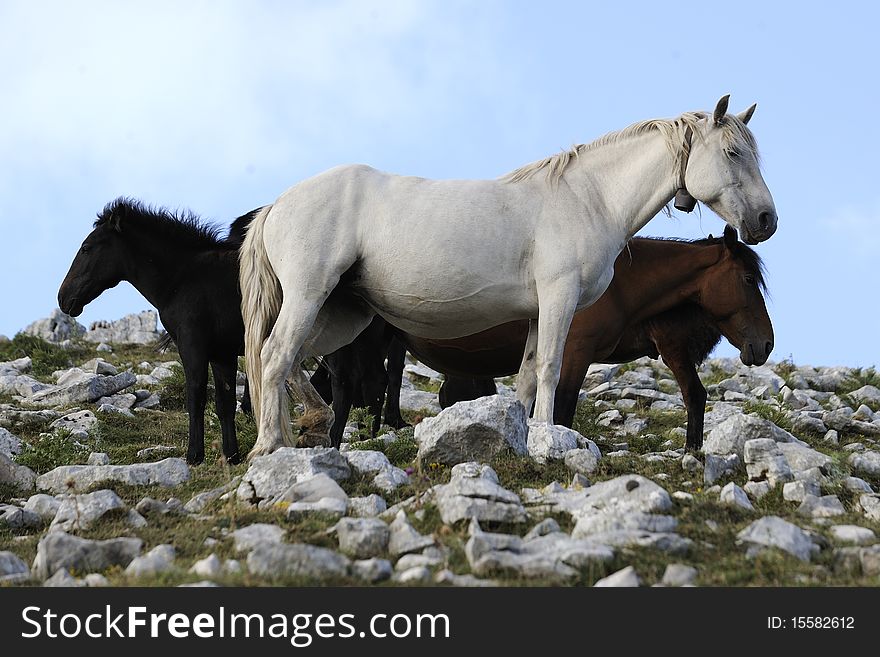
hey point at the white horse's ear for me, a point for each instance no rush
(746, 116)
(721, 109)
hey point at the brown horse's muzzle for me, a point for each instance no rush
(755, 352)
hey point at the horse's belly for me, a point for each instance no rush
(439, 313)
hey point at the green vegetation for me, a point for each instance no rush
(45, 356)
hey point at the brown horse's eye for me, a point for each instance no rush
(84, 249)
(750, 280)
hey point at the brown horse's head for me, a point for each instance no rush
(99, 265)
(731, 292)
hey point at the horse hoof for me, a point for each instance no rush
(235, 459)
(261, 450)
(195, 459)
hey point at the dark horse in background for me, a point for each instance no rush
(190, 274)
(671, 298)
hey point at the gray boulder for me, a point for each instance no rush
(366, 507)
(76, 478)
(88, 390)
(20, 477)
(404, 538)
(473, 430)
(271, 475)
(10, 445)
(774, 532)
(297, 561)
(253, 536)
(158, 560)
(362, 538)
(61, 550)
(78, 512)
(137, 328)
(867, 463)
(765, 461)
(57, 327)
(731, 435)
(12, 569)
(735, 496)
(464, 498)
(550, 442)
(13, 517)
(627, 577)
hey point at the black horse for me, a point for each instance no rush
(190, 274)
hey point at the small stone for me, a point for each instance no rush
(158, 560)
(61, 550)
(826, 506)
(96, 580)
(416, 575)
(250, 537)
(548, 442)
(98, 458)
(362, 538)
(63, 579)
(372, 570)
(329, 507)
(853, 484)
(297, 561)
(210, 566)
(798, 491)
(366, 507)
(78, 512)
(690, 463)
(581, 461)
(546, 526)
(12, 569)
(774, 532)
(735, 496)
(677, 574)
(717, 467)
(866, 464)
(757, 489)
(627, 577)
(831, 437)
(404, 538)
(853, 534)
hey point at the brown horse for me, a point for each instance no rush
(668, 297)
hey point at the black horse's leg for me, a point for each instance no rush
(339, 363)
(224, 398)
(246, 406)
(320, 380)
(396, 358)
(195, 368)
(675, 355)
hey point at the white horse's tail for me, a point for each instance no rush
(260, 304)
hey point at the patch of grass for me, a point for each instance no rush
(402, 452)
(516, 472)
(45, 356)
(714, 376)
(172, 391)
(776, 414)
(861, 376)
(585, 419)
(51, 450)
(427, 385)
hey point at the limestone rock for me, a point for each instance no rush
(75, 478)
(473, 430)
(61, 550)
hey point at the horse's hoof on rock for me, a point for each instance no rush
(260, 450)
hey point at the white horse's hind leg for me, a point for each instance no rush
(526, 379)
(557, 304)
(279, 354)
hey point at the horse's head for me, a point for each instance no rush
(722, 171)
(99, 265)
(731, 292)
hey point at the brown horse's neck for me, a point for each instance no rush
(657, 275)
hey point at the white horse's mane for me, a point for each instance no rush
(736, 137)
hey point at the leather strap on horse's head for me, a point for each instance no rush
(683, 199)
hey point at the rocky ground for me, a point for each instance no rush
(94, 492)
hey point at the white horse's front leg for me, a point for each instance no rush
(557, 304)
(527, 377)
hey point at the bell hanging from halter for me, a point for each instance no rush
(684, 201)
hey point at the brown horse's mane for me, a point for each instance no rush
(742, 252)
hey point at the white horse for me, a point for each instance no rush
(448, 258)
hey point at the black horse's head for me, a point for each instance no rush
(99, 264)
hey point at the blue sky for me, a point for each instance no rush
(220, 106)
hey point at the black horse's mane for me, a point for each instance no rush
(742, 251)
(180, 228)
